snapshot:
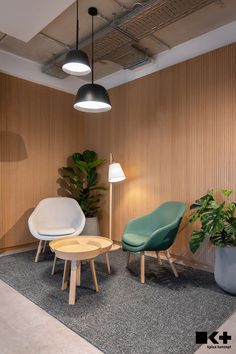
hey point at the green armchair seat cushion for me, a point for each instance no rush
(135, 240)
(155, 231)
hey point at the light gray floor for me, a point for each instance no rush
(26, 328)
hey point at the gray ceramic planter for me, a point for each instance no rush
(91, 227)
(225, 268)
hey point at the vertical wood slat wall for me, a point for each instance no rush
(39, 129)
(174, 132)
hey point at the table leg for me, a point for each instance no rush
(78, 274)
(65, 275)
(94, 275)
(72, 292)
(108, 264)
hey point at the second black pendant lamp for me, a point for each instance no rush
(92, 98)
(76, 62)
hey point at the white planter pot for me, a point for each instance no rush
(91, 227)
(225, 268)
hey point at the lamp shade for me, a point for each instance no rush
(116, 173)
(92, 98)
(76, 63)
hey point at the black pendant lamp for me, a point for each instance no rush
(92, 98)
(76, 62)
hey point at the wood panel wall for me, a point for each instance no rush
(39, 129)
(174, 132)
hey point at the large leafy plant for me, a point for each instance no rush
(216, 218)
(81, 181)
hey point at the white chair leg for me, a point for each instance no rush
(158, 257)
(142, 267)
(171, 264)
(44, 246)
(38, 251)
(54, 264)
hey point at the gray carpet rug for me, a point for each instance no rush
(159, 317)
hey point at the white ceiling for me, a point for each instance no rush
(23, 19)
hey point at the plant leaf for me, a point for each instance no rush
(196, 239)
(226, 192)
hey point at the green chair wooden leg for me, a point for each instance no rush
(158, 257)
(128, 258)
(142, 267)
(171, 263)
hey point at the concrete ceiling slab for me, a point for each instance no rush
(199, 22)
(39, 49)
(61, 30)
(153, 45)
(103, 69)
(24, 19)
(63, 27)
(31, 71)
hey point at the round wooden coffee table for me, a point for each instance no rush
(106, 246)
(76, 249)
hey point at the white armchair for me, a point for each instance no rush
(53, 218)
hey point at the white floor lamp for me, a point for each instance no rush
(116, 174)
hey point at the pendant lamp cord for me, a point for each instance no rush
(92, 54)
(77, 25)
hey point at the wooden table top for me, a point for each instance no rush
(80, 247)
(104, 242)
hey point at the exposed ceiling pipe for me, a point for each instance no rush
(106, 20)
(221, 3)
(125, 8)
(152, 15)
(114, 23)
(104, 30)
(4, 36)
(103, 18)
(101, 33)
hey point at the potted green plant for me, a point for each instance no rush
(217, 220)
(81, 181)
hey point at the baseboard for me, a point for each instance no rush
(177, 259)
(186, 262)
(17, 249)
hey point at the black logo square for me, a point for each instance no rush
(201, 337)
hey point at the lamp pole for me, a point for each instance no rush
(110, 203)
(116, 174)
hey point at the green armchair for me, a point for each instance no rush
(154, 232)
